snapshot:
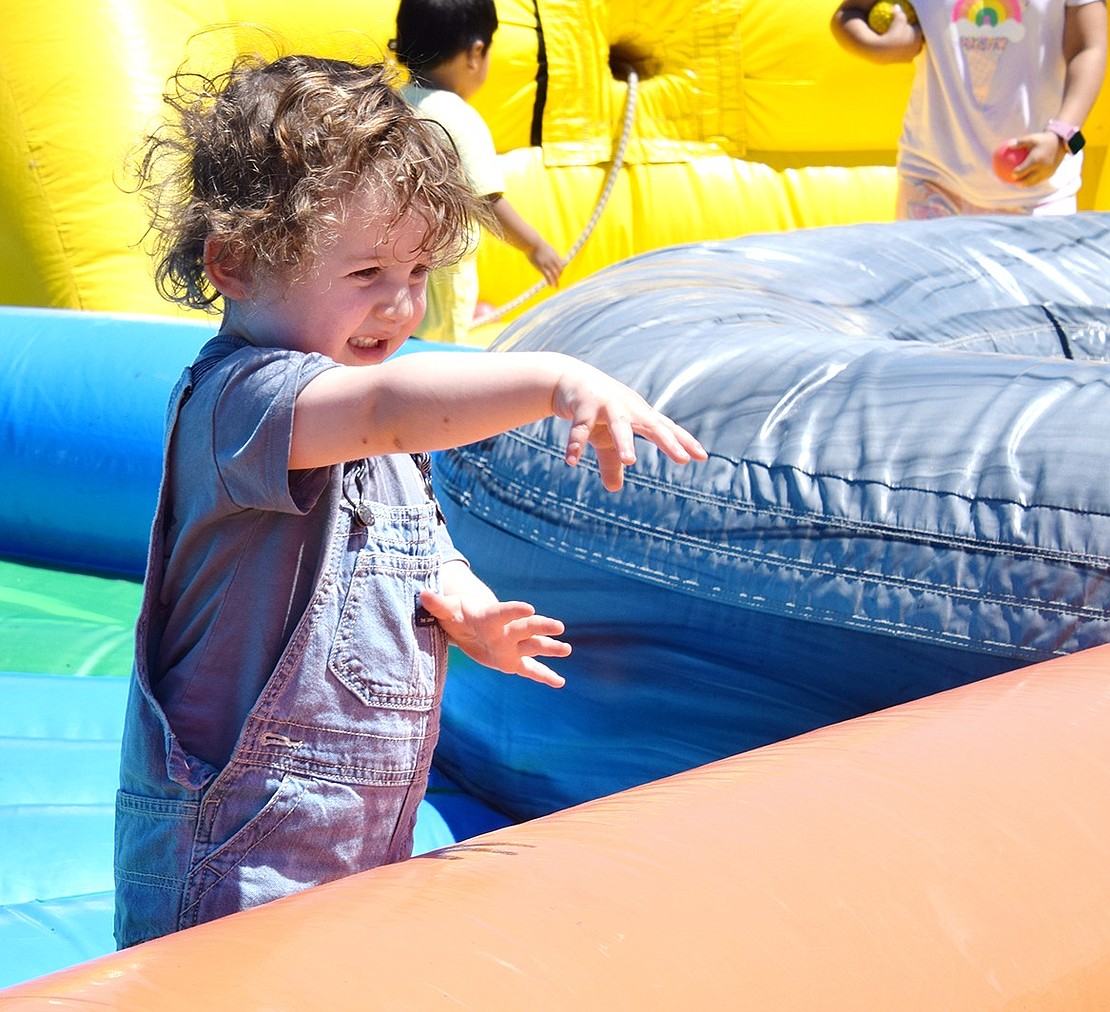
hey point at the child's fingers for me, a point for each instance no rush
(521, 613)
(535, 636)
(540, 672)
(543, 646)
(441, 606)
(675, 441)
(611, 466)
(611, 430)
(610, 425)
(525, 627)
(576, 441)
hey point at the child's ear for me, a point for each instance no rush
(475, 53)
(226, 270)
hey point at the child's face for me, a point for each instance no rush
(358, 303)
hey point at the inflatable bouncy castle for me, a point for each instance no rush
(891, 508)
(736, 118)
(946, 854)
(838, 699)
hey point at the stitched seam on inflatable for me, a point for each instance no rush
(520, 493)
(919, 535)
(789, 609)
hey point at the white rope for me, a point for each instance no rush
(610, 181)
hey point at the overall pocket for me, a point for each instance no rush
(303, 832)
(383, 651)
(153, 850)
(242, 817)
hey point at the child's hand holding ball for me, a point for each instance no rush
(881, 14)
(1008, 157)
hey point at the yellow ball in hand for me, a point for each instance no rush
(882, 14)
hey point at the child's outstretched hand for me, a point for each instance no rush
(507, 636)
(605, 413)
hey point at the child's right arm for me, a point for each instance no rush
(517, 232)
(434, 400)
(900, 43)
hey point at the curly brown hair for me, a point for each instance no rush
(262, 157)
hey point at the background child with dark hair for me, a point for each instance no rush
(445, 44)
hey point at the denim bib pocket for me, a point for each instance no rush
(254, 861)
(383, 652)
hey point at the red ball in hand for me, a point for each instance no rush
(1007, 158)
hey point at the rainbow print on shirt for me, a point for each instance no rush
(989, 18)
(985, 29)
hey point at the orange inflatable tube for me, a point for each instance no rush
(949, 853)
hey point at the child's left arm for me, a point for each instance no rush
(505, 635)
(1085, 53)
(434, 400)
(517, 232)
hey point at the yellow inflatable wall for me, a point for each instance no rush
(745, 117)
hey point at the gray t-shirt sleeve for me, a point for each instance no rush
(252, 432)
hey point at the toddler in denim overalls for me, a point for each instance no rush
(301, 588)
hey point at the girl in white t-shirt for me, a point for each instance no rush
(988, 74)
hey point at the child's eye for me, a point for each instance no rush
(419, 272)
(367, 273)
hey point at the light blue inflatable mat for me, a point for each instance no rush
(65, 650)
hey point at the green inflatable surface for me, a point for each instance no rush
(59, 622)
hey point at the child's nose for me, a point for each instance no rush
(396, 303)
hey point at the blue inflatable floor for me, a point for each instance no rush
(59, 760)
(68, 637)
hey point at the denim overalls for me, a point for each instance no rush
(333, 760)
